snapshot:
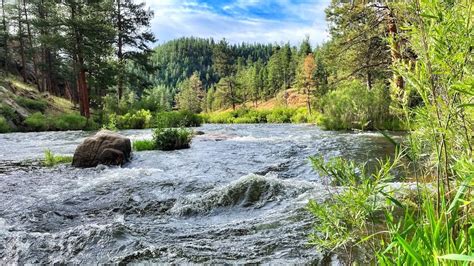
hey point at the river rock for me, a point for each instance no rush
(105, 147)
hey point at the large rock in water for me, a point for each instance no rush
(105, 147)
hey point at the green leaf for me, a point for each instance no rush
(466, 105)
(408, 248)
(457, 257)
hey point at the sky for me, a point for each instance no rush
(262, 21)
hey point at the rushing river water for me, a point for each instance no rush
(238, 195)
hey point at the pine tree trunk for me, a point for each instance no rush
(33, 53)
(119, 52)
(80, 70)
(4, 22)
(22, 45)
(395, 48)
(308, 101)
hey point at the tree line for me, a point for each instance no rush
(77, 49)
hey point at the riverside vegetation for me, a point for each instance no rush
(435, 224)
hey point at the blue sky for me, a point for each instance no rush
(265, 21)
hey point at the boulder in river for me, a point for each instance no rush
(105, 147)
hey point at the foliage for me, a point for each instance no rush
(51, 159)
(8, 112)
(172, 138)
(254, 116)
(38, 122)
(144, 145)
(280, 115)
(436, 227)
(136, 120)
(70, 122)
(352, 214)
(42, 122)
(177, 119)
(156, 99)
(353, 106)
(35, 105)
(4, 127)
(192, 95)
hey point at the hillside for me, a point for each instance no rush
(19, 100)
(295, 99)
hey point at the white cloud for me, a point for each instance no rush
(174, 19)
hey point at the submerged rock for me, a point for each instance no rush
(105, 147)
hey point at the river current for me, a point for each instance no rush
(238, 195)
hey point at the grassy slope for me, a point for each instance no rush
(295, 100)
(12, 90)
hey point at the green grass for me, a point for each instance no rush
(42, 122)
(70, 122)
(51, 159)
(35, 105)
(4, 127)
(177, 119)
(172, 138)
(144, 145)
(254, 116)
(38, 122)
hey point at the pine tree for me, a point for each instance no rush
(191, 97)
(223, 63)
(132, 23)
(305, 78)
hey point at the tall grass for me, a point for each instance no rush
(253, 116)
(436, 226)
(50, 159)
(172, 138)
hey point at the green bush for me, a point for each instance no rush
(8, 112)
(280, 115)
(137, 120)
(144, 145)
(4, 127)
(70, 122)
(177, 119)
(41, 122)
(172, 138)
(51, 160)
(36, 105)
(38, 122)
(352, 106)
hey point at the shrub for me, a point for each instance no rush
(354, 213)
(280, 115)
(138, 120)
(172, 138)
(352, 106)
(70, 122)
(4, 127)
(38, 122)
(8, 112)
(177, 119)
(36, 105)
(144, 145)
(51, 160)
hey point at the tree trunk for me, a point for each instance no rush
(22, 45)
(395, 47)
(30, 40)
(369, 80)
(80, 70)
(308, 100)
(33, 53)
(119, 52)
(4, 22)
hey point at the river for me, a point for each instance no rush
(238, 195)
